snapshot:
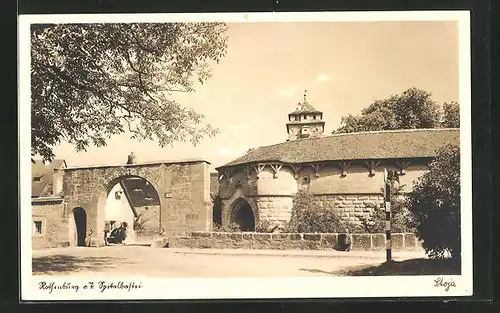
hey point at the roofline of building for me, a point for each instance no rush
(180, 161)
(47, 199)
(295, 113)
(312, 122)
(340, 135)
(320, 161)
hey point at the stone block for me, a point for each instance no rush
(247, 236)
(261, 237)
(204, 243)
(312, 237)
(219, 236)
(279, 237)
(311, 245)
(235, 236)
(295, 236)
(198, 234)
(410, 241)
(328, 241)
(361, 241)
(397, 241)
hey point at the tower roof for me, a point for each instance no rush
(304, 107)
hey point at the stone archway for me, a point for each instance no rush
(242, 215)
(134, 201)
(183, 188)
(80, 220)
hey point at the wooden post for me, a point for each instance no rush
(387, 201)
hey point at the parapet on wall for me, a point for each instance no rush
(283, 241)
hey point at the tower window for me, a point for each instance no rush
(305, 179)
(38, 227)
(314, 117)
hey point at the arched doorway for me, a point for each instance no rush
(134, 201)
(80, 217)
(242, 215)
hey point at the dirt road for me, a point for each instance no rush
(190, 263)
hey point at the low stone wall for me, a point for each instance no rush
(284, 241)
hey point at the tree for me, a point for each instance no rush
(414, 108)
(92, 81)
(308, 217)
(434, 205)
(376, 223)
(451, 115)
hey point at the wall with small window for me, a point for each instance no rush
(49, 228)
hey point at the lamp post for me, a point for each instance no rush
(387, 202)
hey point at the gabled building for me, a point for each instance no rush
(343, 171)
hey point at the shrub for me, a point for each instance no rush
(308, 217)
(434, 205)
(265, 226)
(399, 214)
(228, 228)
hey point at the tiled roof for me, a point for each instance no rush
(414, 143)
(41, 176)
(140, 192)
(304, 107)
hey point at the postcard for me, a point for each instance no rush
(245, 155)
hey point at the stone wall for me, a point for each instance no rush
(351, 207)
(150, 217)
(351, 194)
(283, 241)
(183, 188)
(55, 233)
(276, 209)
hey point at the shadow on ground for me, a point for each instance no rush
(398, 268)
(60, 264)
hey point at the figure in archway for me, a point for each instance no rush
(80, 217)
(242, 215)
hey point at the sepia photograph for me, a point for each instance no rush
(257, 155)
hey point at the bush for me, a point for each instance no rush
(229, 228)
(399, 214)
(265, 226)
(434, 205)
(308, 217)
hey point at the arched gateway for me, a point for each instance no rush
(181, 189)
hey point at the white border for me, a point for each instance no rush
(327, 287)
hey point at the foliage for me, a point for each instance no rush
(228, 228)
(139, 222)
(414, 108)
(434, 205)
(451, 115)
(92, 81)
(308, 217)
(266, 226)
(399, 214)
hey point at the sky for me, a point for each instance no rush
(344, 66)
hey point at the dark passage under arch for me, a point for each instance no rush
(242, 215)
(80, 217)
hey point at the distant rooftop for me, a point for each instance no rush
(305, 107)
(41, 176)
(393, 144)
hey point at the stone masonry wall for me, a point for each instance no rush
(183, 189)
(350, 207)
(54, 224)
(284, 241)
(276, 209)
(189, 207)
(150, 215)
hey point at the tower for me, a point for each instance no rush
(305, 121)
